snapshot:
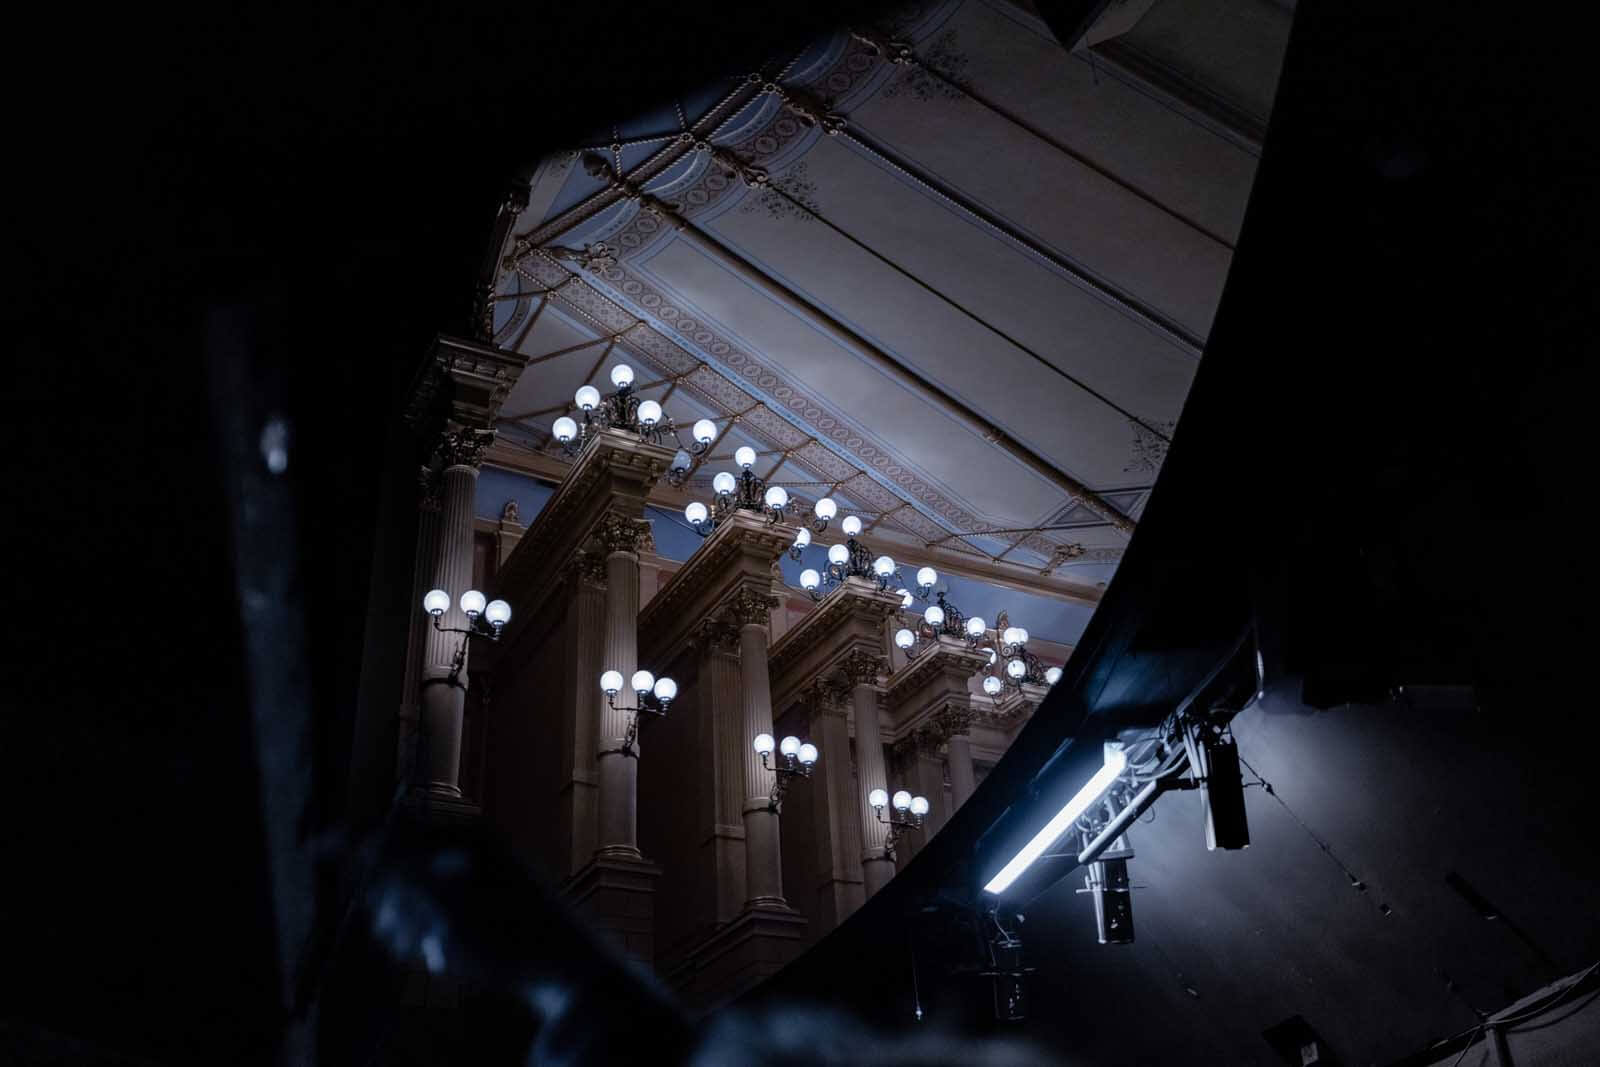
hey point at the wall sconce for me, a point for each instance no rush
(907, 814)
(483, 620)
(652, 694)
(797, 759)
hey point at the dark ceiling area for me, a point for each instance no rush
(1392, 413)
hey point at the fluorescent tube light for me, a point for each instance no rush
(1113, 766)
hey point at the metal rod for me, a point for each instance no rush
(1123, 819)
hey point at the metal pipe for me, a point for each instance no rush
(1121, 821)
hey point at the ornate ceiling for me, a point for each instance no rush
(942, 268)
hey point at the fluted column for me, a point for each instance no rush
(444, 680)
(963, 780)
(750, 609)
(586, 626)
(423, 561)
(836, 804)
(719, 707)
(861, 670)
(618, 537)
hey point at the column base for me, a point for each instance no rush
(617, 894)
(876, 872)
(433, 808)
(753, 947)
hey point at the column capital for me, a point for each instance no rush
(825, 697)
(615, 532)
(861, 667)
(462, 446)
(749, 606)
(586, 566)
(717, 635)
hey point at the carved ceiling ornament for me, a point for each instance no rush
(615, 532)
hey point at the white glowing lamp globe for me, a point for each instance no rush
(976, 626)
(587, 398)
(763, 744)
(497, 613)
(472, 602)
(437, 602)
(878, 798)
(826, 508)
(611, 682)
(810, 579)
(808, 754)
(919, 805)
(666, 690)
(723, 482)
(1014, 635)
(789, 746)
(838, 555)
(1022, 635)
(991, 685)
(642, 681)
(1053, 675)
(621, 375)
(705, 431)
(1016, 668)
(564, 429)
(905, 597)
(927, 576)
(933, 615)
(649, 412)
(904, 638)
(883, 566)
(681, 460)
(696, 512)
(745, 456)
(851, 526)
(777, 497)
(902, 800)
(802, 537)
(992, 656)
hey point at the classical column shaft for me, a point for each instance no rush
(962, 778)
(719, 703)
(586, 634)
(763, 859)
(619, 772)
(876, 866)
(835, 803)
(423, 563)
(444, 690)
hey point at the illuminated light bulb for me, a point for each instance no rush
(810, 579)
(992, 656)
(1014, 635)
(649, 413)
(851, 526)
(472, 602)
(497, 613)
(1022, 635)
(991, 685)
(905, 597)
(789, 746)
(587, 398)
(919, 805)
(808, 754)
(763, 744)
(437, 602)
(802, 537)
(1016, 668)
(927, 576)
(933, 615)
(904, 638)
(621, 375)
(825, 508)
(1053, 675)
(681, 460)
(705, 431)
(696, 512)
(1115, 762)
(564, 429)
(976, 626)
(838, 555)
(878, 798)
(777, 497)
(883, 566)
(642, 681)
(902, 800)
(666, 690)
(723, 483)
(611, 681)
(745, 456)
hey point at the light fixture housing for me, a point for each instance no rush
(763, 744)
(976, 626)
(745, 456)
(838, 555)
(497, 613)
(927, 577)
(621, 375)
(919, 806)
(696, 512)
(611, 682)
(878, 798)
(904, 638)
(473, 603)
(883, 566)
(436, 603)
(1115, 761)
(649, 413)
(992, 685)
(705, 431)
(642, 681)
(789, 746)
(851, 525)
(905, 597)
(933, 615)
(666, 690)
(802, 537)
(723, 483)
(809, 579)
(564, 429)
(587, 398)
(825, 508)
(777, 497)
(1052, 675)
(1016, 669)
(902, 800)
(1014, 635)
(808, 754)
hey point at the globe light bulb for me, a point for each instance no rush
(976, 626)
(642, 681)
(808, 754)
(497, 613)
(810, 579)
(745, 456)
(705, 431)
(927, 576)
(933, 615)
(919, 805)
(838, 555)
(666, 690)
(789, 746)
(587, 398)
(883, 566)
(905, 597)
(992, 656)
(1053, 675)
(763, 744)
(777, 497)
(878, 798)
(902, 800)
(723, 483)
(802, 537)
(1013, 635)
(1016, 668)
(696, 512)
(991, 685)
(436, 603)
(825, 508)
(564, 429)
(621, 375)
(681, 460)
(851, 526)
(649, 413)
(611, 681)
(904, 638)
(1022, 635)
(472, 602)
